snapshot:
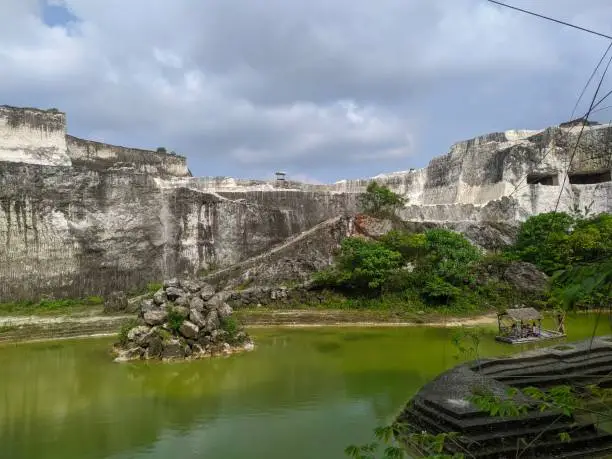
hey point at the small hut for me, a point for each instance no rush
(523, 325)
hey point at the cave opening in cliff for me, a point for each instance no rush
(543, 179)
(589, 178)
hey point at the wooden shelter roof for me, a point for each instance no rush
(522, 314)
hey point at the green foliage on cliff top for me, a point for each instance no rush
(379, 200)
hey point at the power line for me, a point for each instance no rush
(586, 118)
(589, 80)
(552, 19)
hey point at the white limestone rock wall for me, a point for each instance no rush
(486, 178)
(99, 156)
(33, 136)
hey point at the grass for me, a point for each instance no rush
(50, 306)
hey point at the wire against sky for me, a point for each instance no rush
(551, 19)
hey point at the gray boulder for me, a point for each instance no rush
(155, 317)
(189, 330)
(174, 292)
(190, 286)
(154, 346)
(182, 301)
(197, 317)
(171, 283)
(115, 302)
(526, 277)
(133, 353)
(224, 310)
(197, 304)
(181, 311)
(207, 292)
(147, 305)
(212, 321)
(173, 349)
(137, 334)
(160, 297)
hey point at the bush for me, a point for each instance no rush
(125, 329)
(380, 201)
(153, 287)
(544, 241)
(175, 320)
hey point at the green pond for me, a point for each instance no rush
(302, 394)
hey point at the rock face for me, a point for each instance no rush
(81, 218)
(170, 332)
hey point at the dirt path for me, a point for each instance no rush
(40, 328)
(350, 318)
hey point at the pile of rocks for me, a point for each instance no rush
(183, 320)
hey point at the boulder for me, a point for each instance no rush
(154, 346)
(155, 317)
(173, 349)
(212, 321)
(189, 330)
(207, 292)
(224, 310)
(147, 305)
(197, 304)
(197, 317)
(174, 292)
(160, 297)
(171, 283)
(526, 277)
(133, 353)
(182, 301)
(190, 286)
(181, 311)
(115, 302)
(198, 349)
(137, 334)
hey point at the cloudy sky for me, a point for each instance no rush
(324, 89)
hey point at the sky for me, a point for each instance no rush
(321, 89)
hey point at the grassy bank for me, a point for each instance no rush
(53, 307)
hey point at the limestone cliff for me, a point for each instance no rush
(79, 217)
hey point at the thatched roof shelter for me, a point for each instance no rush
(521, 314)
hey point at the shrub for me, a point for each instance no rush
(379, 200)
(125, 329)
(175, 320)
(153, 287)
(544, 241)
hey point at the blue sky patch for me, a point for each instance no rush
(56, 15)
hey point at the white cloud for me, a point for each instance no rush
(330, 88)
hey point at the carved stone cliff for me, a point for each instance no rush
(80, 217)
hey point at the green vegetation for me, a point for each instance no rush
(380, 201)
(124, 330)
(50, 306)
(153, 287)
(437, 268)
(233, 329)
(575, 251)
(175, 320)
(440, 269)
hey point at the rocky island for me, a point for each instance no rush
(183, 320)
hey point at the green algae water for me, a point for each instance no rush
(302, 394)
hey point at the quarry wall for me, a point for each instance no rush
(80, 218)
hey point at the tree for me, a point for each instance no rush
(380, 201)
(544, 241)
(362, 265)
